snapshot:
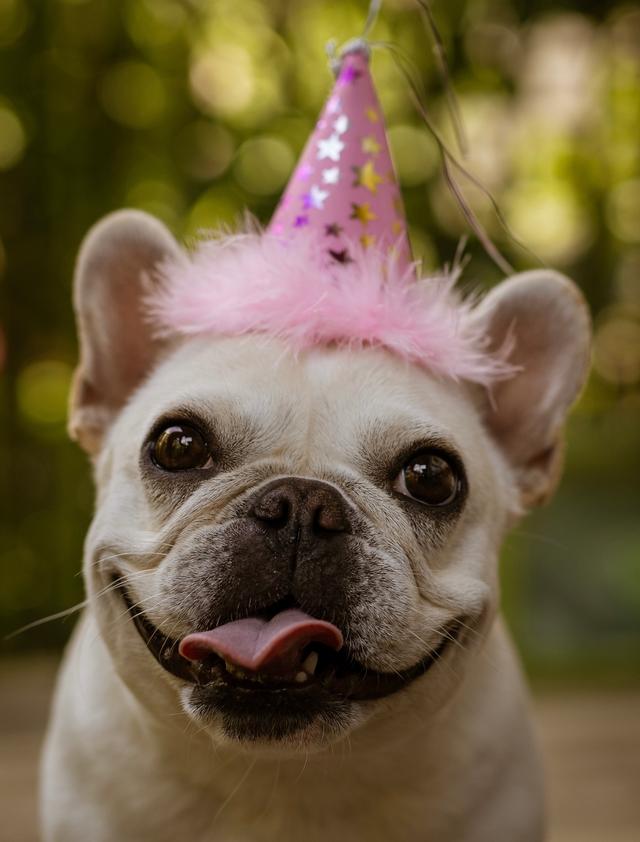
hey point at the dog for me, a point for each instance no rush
(292, 628)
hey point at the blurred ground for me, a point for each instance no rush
(591, 742)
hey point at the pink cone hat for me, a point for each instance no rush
(344, 188)
(334, 265)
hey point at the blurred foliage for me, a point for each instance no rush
(195, 110)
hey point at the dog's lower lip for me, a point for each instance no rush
(348, 679)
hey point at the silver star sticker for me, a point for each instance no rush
(330, 148)
(341, 124)
(331, 176)
(318, 196)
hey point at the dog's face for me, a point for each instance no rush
(286, 545)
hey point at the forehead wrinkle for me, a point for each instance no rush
(406, 429)
(260, 420)
(381, 440)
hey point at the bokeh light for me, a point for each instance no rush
(14, 19)
(42, 392)
(12, 137)
(160, 198)
(222, 80)
(204, 150)
(617, 351)
(559, 75)
(132, 93)
(550, 219)
(263, 165)
(154, 23)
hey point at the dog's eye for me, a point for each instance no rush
(180, 448)
(429, 478)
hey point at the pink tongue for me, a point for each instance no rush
(273, 645)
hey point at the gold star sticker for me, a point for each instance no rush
(370, 145)
(362, 212)
(367, 240)
(372, 114)
(367, 176)
(396, 226)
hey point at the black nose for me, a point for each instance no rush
(302, 506)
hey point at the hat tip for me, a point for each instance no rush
(356, 46)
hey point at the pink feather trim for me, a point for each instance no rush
(237, 284)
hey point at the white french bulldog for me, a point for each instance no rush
(293, 624)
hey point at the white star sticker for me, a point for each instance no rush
(331, 176)
(318, 196)
(333, 105)
(341, 124)
(330, 148)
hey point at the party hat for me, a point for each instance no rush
(334, 265)
(344, 188)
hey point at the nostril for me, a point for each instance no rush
(274, 510)
(328, 518)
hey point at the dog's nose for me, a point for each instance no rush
(298, 506)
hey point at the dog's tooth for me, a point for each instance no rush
(310, 663)
(301, 677)
(234, 669)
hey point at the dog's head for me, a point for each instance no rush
(287, 543)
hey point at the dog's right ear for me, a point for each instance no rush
(117, 345)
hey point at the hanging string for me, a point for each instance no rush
(442, 64)
(450, 164)
(372, 17)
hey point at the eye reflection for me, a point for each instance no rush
(180, 447)
(429, 478)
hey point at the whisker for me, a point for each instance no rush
(235, 790)
(67, 612)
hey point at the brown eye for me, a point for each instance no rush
(429, 478)
(180, 448)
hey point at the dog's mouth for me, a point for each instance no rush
(280, 650)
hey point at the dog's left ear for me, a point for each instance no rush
(117, 344)
(547, 318)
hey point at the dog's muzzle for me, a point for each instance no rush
(290, 658)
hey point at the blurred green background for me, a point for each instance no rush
(196, 110)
